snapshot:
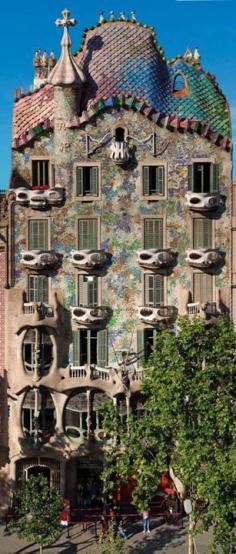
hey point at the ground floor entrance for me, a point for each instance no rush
(83, 483)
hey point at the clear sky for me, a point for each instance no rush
(208, 24)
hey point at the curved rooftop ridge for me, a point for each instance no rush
(171, 122)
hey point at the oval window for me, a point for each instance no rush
(37, 351)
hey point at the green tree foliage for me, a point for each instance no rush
(112, 545)
(38, 508)
(189, 424)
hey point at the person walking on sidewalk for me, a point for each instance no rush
(146, 520)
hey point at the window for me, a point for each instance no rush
(119, 134)
(38, 288)
(203, 177)
(83, 414)
(88, 290)
(202, 288)
(153, 290)
(40, 173)
(87, 181)
(179, 85)
(145, 343)
(137, 405)
(38, 415)
(37, 350)
(153, 233)
(87, 234)
(202, 233)
(38, 234)
(153, 180)
(90, 347)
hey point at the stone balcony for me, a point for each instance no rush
(157, 259)
(154, 315)
(37, 314)
(203, 201)
(39, 198)
(89, 316)
(107, 379)
(205, 258)
(39, 259)
(89, 259)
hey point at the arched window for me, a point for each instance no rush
(37, 351)
(83, 414)
(179, 85)
(119, 134)
(38, 415)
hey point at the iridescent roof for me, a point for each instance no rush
(123, 58)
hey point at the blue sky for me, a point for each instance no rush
(208, 24)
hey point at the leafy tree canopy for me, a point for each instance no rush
(188, 424)
(38, 508)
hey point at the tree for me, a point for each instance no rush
(38, 510)
(112, 545)
(189, 424)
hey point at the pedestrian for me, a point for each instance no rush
(146, 520)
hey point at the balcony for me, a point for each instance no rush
(205, 258)
(157, 259)
(40, 198)
(89, 259)
(205, 311)
(153, 316)
(37, 314)
(90, 372)
(119, 152)
(89, 316)
(203, 201)
(39, 259)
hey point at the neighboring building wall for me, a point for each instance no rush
(233, 252)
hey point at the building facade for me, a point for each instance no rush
(119, 219)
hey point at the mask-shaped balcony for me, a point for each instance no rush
(203, 201)
(39, 259)
(89, 316)
(119, 152)
(38, 199)
(89, 259)
(153, 316)
(205, 258)
(157, 259)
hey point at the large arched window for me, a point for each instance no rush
(38, 415)
(37, 351)
(83, 414)
(180, 87)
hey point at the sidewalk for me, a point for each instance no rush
(164, 539)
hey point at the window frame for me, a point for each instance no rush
(144, 278)
(87, 197)
(198, 216)
(157, 162)
(51, 176)
(86, 217)
(37, 276)
(99, 288)
(198, 272)
(214, 163)
(49, 232)
(163, 218)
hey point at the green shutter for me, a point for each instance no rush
(190, 177)
(102, 348)
(76, 347)
(146, 181)
(202, 233)
(140, 347)
(87, 234)
(215, 177)
(153, 233)
(83, 291)
(94, 181)
(79, 181)
(149, 290)
(158, 290)
(160, 179)
(38, 234)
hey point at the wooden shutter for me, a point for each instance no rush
(79, 181)
(202, 287)
(190, 177)
(140, 347)
(153, 233)
(215, 174)
(202, 233)
(160, 179)
(83, 291)
(76, 348)
(153, 290)
(158, 290)
(102, 348)
(146, 181)
(87, 234)
(41, 286)
(38, 234)
(94, 180)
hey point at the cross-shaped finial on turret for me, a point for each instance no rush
(66, 21)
